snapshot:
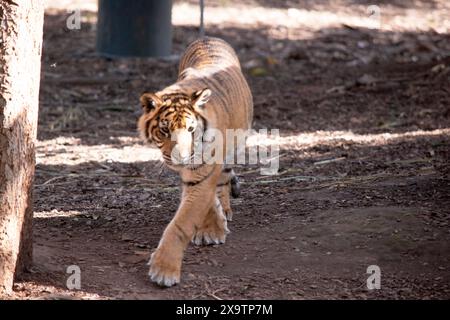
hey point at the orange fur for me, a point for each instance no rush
(210, 91)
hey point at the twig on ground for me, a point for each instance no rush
(329, 161)
(297, 178)
(213, 293)
(49, 181)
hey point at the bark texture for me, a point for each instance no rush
(21, 24)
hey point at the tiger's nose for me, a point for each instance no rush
(184, 152)
(179, 159)
(183, 140)
(185, 160)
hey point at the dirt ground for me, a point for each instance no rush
(364, 178)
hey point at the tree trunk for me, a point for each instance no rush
(21, 24)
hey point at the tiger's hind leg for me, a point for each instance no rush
(214, 228)
(228, 185)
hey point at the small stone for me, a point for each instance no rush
(126, 237)
(214, 262)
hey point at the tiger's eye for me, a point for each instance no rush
(191, 128)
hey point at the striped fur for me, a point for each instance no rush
(212, 63)
(210, 92)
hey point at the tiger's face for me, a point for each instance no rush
(170, 121)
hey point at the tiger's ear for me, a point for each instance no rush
(200, 98)
(150, 101)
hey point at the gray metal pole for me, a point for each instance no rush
(202, 19)
(139, 28)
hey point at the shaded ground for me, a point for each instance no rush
(364, 169)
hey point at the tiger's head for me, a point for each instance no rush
(171, 120)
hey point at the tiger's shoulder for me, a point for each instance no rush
(212, 63)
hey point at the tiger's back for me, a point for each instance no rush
(212, 63)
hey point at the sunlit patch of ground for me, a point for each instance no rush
(70, 151)
(384, 17)
(303, 140)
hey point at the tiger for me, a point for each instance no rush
(210, 92)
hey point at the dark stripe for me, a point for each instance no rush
(168, 113)
(147, 126)
(157, 139)
(224, 183)
(186, 238)
(194, 183)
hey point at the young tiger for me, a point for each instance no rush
(210, 92)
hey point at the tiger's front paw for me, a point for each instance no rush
(165, 269)
(212, 232)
